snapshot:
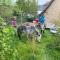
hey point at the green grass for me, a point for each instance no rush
(23, 49)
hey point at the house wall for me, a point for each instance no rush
(53, 11)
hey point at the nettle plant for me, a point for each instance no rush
(5, 29)
(1, 26)
(6, 38)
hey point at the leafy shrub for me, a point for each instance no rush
(6, 40)
(1, 21)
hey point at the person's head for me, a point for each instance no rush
(14, 17)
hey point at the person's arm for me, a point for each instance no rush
(45, 21)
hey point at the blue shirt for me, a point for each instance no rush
(42, 19)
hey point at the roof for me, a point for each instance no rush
(50, 3)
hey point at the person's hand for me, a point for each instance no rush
(45, 25)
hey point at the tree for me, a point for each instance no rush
(27, 6)
(33, 7)
(6, 9)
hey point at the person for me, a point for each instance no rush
(42, 20)
(36, 20)
(14, 25)
(14, 22)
